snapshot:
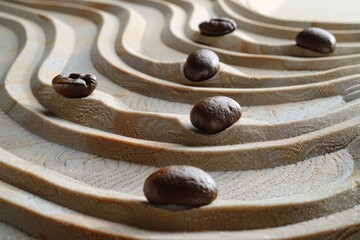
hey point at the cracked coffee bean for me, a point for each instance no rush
(316, 39)
(76, 85)
(180, 185)
(201, 65)
(217, 27)
(215, 114)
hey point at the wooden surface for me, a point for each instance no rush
(74, 168)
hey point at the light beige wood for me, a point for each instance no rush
(9, 232)
(74, 168)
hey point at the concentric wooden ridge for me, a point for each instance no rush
(289, 165)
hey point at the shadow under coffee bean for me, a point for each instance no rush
(76, 85)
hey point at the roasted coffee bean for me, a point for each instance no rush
(217, 27)
(215, 114)
(201, 65)
(76, 85)
(180, 185)
(316, 39)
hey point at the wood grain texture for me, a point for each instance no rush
(74, 168)
(11, 233)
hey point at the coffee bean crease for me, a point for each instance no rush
(76, 85)
(217, 27)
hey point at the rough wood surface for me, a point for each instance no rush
(74, 168)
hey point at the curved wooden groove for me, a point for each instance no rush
(237, 43)
(135, 120)
(70, 225)
(251, 14)
(123, 208)
(242, 78)
(340, 130)
(53, 102)
(242, 59)
(239, 156)
(289, 64)
(277, 30)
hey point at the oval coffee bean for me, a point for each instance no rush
(215, 114)
(316, 39)
(180, 185)
(201, 65)
(217, 27)
(76, 85)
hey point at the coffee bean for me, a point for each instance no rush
(217, 27)
(316, 39)
(180, 185)
(201, 65)
(76, 85)
(215, 114)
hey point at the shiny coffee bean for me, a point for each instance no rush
(76, 85)
(316, 39)
(201, 65)
(217, 27)
(180, 185)
(215, 114)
